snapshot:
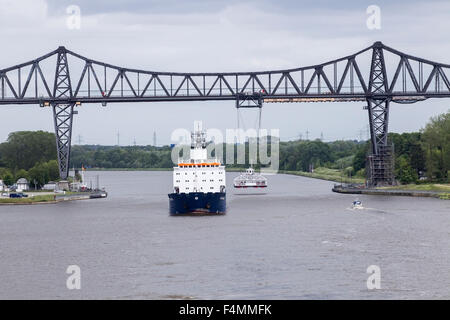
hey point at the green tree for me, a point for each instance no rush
(52, 170)
(409, 144)
(436, 146)
(404, 172)
(44, 172)
(21, 173)
(359, 161)
(24, 149)
(7, 176)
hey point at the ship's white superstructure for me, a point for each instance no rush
(198, 173)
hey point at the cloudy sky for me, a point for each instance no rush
(214, 36)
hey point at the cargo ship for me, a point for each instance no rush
(198, 181)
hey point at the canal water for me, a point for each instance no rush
(297, 241)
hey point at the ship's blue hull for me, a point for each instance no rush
(197, 203)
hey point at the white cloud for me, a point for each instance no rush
(15, 13)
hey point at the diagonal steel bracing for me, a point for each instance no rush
(63, 113)
(63, 116)
(344, 79)
(380, 170)
(378, 121)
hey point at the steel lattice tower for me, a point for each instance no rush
(63, 113)
(380, 161)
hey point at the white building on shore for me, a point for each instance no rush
(49, 186)
(22, 184)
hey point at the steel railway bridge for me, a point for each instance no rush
(378, 75)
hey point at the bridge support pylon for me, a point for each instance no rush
(63, 118)
(63, 112)
(380, 163)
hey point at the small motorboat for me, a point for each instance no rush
(357, 205)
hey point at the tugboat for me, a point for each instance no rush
(250, 179)
(198, 182)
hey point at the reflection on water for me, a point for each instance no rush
(298, 241)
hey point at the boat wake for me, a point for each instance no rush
(365, 209)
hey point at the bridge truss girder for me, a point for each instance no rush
(412, 78)
(344, 79)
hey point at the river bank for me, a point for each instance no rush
(325, 174)
(52, 198)
(441, 191)
(395, 191)
(29, 200)
(319, 173)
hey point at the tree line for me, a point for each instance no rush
(30, 155)
(423, 155)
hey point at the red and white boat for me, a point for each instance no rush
(250, 179)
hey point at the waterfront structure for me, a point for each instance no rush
(49, 186)
(22, 184)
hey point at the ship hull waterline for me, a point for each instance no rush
(197, 203)
(250, 186)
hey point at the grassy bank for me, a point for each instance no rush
(326, 174)
(323, 174)
(35, 199)
(437, 187)
(319, 173)
(443, 188)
